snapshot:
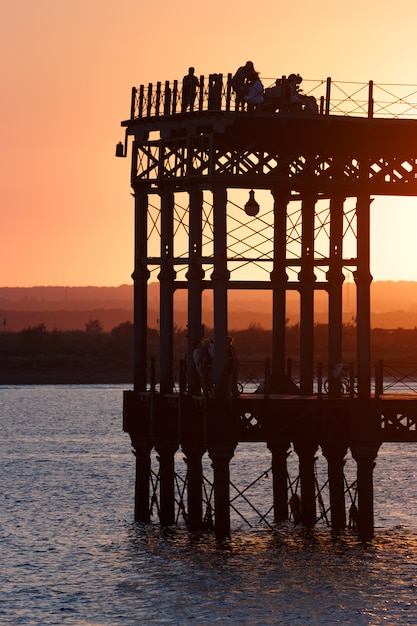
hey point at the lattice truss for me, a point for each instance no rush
(395, 170)
(176, 160)
(251, 491)
(250, 240)
(397, 423)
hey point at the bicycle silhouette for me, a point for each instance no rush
(347, 386)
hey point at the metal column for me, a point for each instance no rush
(335, 278)
(166, 278)
(307, 279)
(140, 298)
(220, 279)
(279, 280)
(363, 280)
(194, 276)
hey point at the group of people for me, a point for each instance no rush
(288, 96)
(203, 356)
(285, 96)
(203, 359)
(248, 87)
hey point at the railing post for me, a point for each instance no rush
(219, 91)
(133, 103)
(381, 375)
(228, 92)
(328, 85)
(149, 102)
(283, 99)
(370, 99)
(158, 98)
(152, 376)
(319, 380)
(201, 94)
(167, 98)
(267, 377)
(182, 377)
(379, 378)
(174, 97)
(141, 99)
(352, 380)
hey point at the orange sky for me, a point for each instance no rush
(67, 72)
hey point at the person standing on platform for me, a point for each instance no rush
(239, 83)
(189, 90)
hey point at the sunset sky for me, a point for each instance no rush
(67, 73)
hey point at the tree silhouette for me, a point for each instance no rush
(93, 326)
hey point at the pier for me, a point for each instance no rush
(228, 199)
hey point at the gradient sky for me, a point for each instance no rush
(67, 69)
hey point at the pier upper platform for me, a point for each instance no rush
(340, 98)
(364, 138)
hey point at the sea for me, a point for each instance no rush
(71, 553)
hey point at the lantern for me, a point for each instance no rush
(252, 207)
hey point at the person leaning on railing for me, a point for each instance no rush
(239, 83)
(255, 95)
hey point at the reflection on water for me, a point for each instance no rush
(71, 554)
(289, 576)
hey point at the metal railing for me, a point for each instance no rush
(215, 93)
(397, 378)
(387, 378)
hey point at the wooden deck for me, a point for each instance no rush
(256, 417)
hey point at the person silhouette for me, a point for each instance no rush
(189, 90)
(239, 83)
(255, 91)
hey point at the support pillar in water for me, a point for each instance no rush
(279, 451)
(306, 453)
(365, 459)
(335, 454)
(221, 457)
(194, 487)
(142, 511)
(166, 452)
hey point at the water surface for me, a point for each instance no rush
(72, 555)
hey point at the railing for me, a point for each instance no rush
(215, 93)
(389, 379)
(398, 378)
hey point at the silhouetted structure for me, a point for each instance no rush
(321, 170)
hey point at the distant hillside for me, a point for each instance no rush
(65, 308)
(393, 305)
(65, 298)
